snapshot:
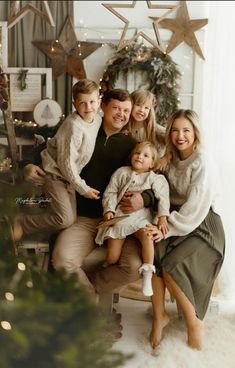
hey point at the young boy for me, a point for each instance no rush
(63, 159)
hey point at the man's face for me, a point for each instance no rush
(116, 115)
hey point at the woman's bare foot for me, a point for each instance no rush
(195, 333)
(157, 327)
(17, 229)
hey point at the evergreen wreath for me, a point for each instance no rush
(160, 75)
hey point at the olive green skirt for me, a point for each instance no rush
(194, 260)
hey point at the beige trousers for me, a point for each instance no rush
(76, 252)
(62, 212)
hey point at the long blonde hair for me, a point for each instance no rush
(141, 96)
(192, 117)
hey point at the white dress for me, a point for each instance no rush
(125, 179)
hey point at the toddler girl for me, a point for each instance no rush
(137, 177)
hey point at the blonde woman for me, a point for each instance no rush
(191, 254)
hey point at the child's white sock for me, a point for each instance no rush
(147, 270)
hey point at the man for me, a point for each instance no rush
(75, 250)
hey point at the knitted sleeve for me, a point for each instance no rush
(112, 192)
(68, 146)
(160, 188)
(199, 198)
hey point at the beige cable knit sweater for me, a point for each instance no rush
(193, 186)
(71, 149)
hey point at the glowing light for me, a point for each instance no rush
(21, 266)
(9, 296)
(6, 325)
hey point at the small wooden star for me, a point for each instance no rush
(67, 53)
(183, 29)
(16, 14)
(155, 43)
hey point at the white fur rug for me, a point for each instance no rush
(218, 343)
(218, 347)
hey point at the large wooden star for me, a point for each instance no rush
(16, 13)
(155, 43)
(183, 29)
(67, 53)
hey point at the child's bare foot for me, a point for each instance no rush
(195, 333)
(157, 327)
(17, 229)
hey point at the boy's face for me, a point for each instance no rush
(87, 105)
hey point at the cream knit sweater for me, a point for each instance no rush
(193, 186)
(71, 149)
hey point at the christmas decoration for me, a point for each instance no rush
(159, 73)
(155, 43)
(47, 320)
(67, 53)
(22, 79)
(183, 29)
(16, 14)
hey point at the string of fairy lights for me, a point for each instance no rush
(9, 296)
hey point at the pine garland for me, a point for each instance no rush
(159, 72)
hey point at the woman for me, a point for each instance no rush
(191, 254)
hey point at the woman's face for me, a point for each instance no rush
(183, 137)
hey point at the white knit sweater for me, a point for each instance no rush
(125, 179)
(193, 186)
(71, 149)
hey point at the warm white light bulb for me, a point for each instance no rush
(9, 296)
(21, 266)
(6, 325)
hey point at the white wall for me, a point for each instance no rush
(218, 119)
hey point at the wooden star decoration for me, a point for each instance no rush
(67, 53)
(16, 14)
(183, 29)
(155, 43)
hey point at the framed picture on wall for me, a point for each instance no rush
(28, 86)
(3, 45)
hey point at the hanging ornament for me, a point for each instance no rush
(22, 79)
(16, 14)
(183, 29)
(67, 53)
(154, 42)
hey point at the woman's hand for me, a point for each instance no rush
(153, 232)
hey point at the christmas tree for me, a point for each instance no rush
(47, 320)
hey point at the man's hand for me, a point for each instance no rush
(34, 174)
(131, 202)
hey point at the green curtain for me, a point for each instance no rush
(22, 53)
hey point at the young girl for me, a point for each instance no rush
(142, 125)
(137, 177)
(189, 259)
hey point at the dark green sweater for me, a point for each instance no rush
(110, 153)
